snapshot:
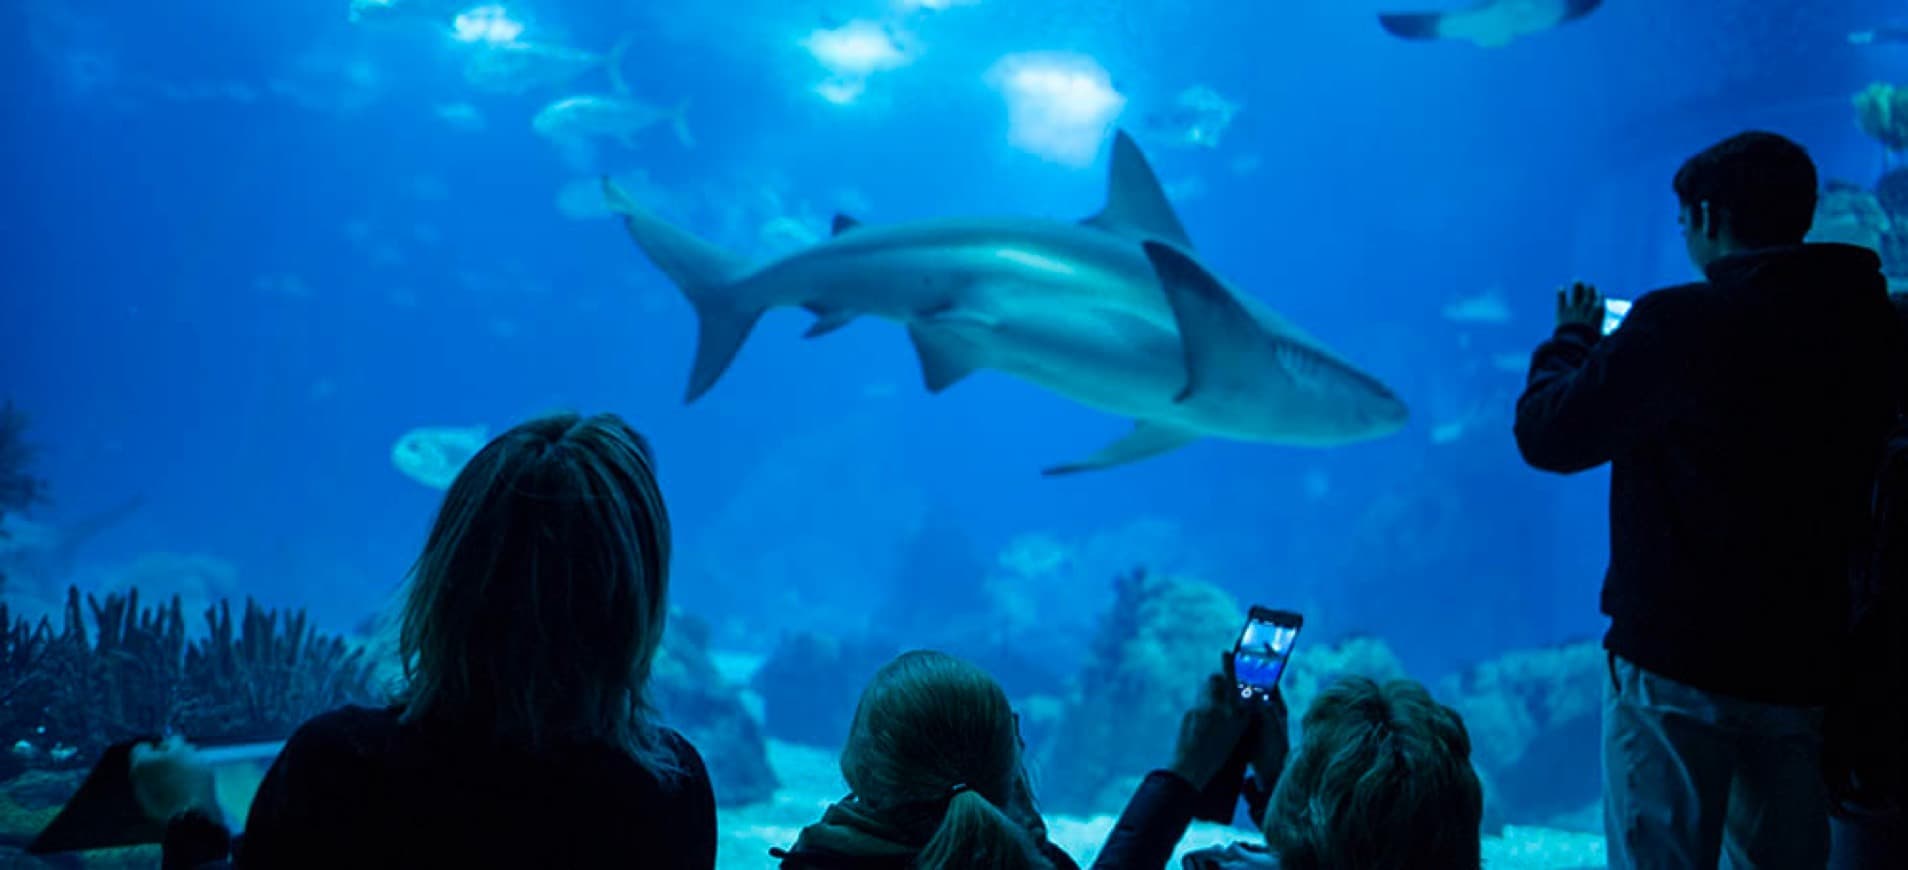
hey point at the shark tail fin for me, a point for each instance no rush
(613, 64)
(679, 119)
(705, 274)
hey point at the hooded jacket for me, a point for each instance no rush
(1743, 418)
(851, 837)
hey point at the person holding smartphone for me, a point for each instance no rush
(1382, 780)
(1743, 417)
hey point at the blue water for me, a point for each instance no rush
(234, 307)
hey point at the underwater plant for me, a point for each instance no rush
(1881, 110)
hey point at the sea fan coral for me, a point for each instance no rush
(1882, 112)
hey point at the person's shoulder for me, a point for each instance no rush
(1678, 297)
(348, 730)
(685, 761)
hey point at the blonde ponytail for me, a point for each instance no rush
(975, 835)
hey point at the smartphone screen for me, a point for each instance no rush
(1263, 649)
(1613, 313)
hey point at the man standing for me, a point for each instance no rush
(1743, 417)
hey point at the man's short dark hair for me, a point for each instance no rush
(1760, 186)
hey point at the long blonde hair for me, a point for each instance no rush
(538, 604)
(934, 747)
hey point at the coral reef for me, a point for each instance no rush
(18, 488)
(64, 697)
(66, 693)
(1144, 667)
(1881, 110)
(1534, 718)
(809, 685)
(1315, 667)
(1848, 214)
(693, 697)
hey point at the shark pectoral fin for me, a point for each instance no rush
(1135, 203)
(1146, 440)
(1214, 329)
(843, 223)
(1411, 25)
(943, 362)
(829, 321)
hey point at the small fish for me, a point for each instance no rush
(1198, 117)
(1488, 307)
(462, 116)
(1889, 35)
(590, 117)
(433, 455)
(521, 67)
(1488, 23)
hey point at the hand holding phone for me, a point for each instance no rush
(1257, 661)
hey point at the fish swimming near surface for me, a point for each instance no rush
(520, 67)
(433, 455)
(576, 121)
(1490, 23)
(1114, 312)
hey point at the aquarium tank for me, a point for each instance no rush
(1056, 335)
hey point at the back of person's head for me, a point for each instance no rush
(538, 605)
(1760, 188)
(934, 747)
(1381, 779)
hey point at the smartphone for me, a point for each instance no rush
(1265, 645)
(1613, 312)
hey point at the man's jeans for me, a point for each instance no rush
(1690, 777)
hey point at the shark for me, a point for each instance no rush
(1115, 312)
(1488, 23)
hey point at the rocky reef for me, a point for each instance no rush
(1143, 668)
(693, 697)
(1535, 718)
(1881, 110)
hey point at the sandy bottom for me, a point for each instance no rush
(810, 783)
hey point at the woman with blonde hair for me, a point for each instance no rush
(933, 759)
(522, 737)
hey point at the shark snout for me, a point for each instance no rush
(1377, 412)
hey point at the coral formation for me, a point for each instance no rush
(18, 488)
(1534, 718)
(64, 697)
(692, 696)
(1848, 214)
(1881, 110)
(1144, 667)
(809, 685)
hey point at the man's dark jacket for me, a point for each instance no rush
(1743, 418)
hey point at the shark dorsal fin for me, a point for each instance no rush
(1135, 203)
(844, 223)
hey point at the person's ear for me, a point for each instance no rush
(1706, 220)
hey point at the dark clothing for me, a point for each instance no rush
(356, 788)
(1743, 419)
(851, 837)
(1156, 818)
